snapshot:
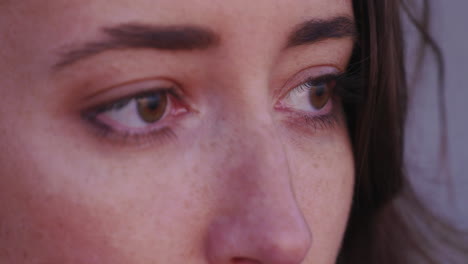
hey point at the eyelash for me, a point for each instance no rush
(347, 89)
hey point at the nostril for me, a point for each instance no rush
(241, 260)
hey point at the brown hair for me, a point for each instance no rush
(380, 230)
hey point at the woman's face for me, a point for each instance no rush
(163, 131)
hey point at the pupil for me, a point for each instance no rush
(153, 102)
(320, 91)
(151, 108)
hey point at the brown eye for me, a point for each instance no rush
(320, 94)
(151, 108)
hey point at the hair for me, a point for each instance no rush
(383, 222)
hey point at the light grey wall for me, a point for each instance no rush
(447, 195)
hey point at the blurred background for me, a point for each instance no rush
(445, 190)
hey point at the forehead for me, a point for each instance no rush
(213, 12)
(54, 24)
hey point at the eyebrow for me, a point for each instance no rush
(189, 38)
(313, 31)
(141, 36)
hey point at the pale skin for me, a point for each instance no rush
(239, 179)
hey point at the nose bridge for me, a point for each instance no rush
(254, 156)
(260, 220)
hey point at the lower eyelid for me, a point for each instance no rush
(138, 141)
(118, 128)
(326, 118)
(313, 124)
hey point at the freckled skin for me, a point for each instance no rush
(240, 182)
(49, 229)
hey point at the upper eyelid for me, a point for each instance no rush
(129, 90)
(315, 80)
(141, 94)
(324, 78)
(305, 75)
(107, 105)
(320, 80)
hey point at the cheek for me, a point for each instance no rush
(323, 182)
(39, 225)
(41, 228)
(63, 206)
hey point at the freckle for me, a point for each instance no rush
(212, 144)
(187, 204)
(195, 169)
(316, 166)
(38, 234)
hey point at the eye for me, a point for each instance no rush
(135, 113)
(311, 96)
(140, 114)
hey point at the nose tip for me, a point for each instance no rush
(247, 239)
(289, 247)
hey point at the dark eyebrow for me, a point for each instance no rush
(313, 31)
(140, 36)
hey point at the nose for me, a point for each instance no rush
(259, 219)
